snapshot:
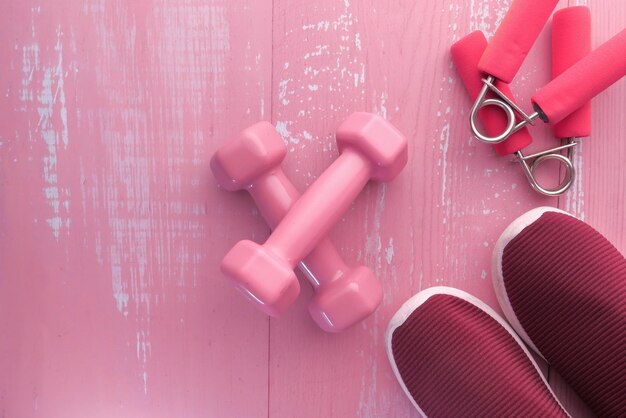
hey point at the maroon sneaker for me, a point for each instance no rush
(562, 286)
(455, 357)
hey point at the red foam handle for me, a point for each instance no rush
(571, 42)
(465, 55)
(583, 81)
(515, 36)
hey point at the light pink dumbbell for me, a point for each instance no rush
(251, 161)
(371, 148)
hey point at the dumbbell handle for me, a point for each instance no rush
(274, 196)
(320, 207)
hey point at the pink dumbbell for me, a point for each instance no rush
(251, 161)
(371, 148)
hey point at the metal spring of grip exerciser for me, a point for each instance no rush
(529, 163)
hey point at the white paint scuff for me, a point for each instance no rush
(389, 252)
(144, 351)
(329, 67)
(444, 145)
(147, 137)
(482, 12)
(51, 109)
(575, 197)
(373, 245)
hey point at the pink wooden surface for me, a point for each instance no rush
(112, 227)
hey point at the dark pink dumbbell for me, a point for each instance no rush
(371, 148)
(251, 161)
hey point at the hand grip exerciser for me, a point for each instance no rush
(466, 54)
(502, 59)
(577, 85)
(371, 148)
(578, 76)
(251, 160)
(559, 98)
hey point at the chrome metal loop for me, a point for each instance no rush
(544, 156)
(509, 107)
(510, 121)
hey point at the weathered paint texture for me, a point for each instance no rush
(112, 227)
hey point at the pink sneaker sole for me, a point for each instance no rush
(562, 286)
(454, 356)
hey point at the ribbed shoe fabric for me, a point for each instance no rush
(456, 360)
(566, 285)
